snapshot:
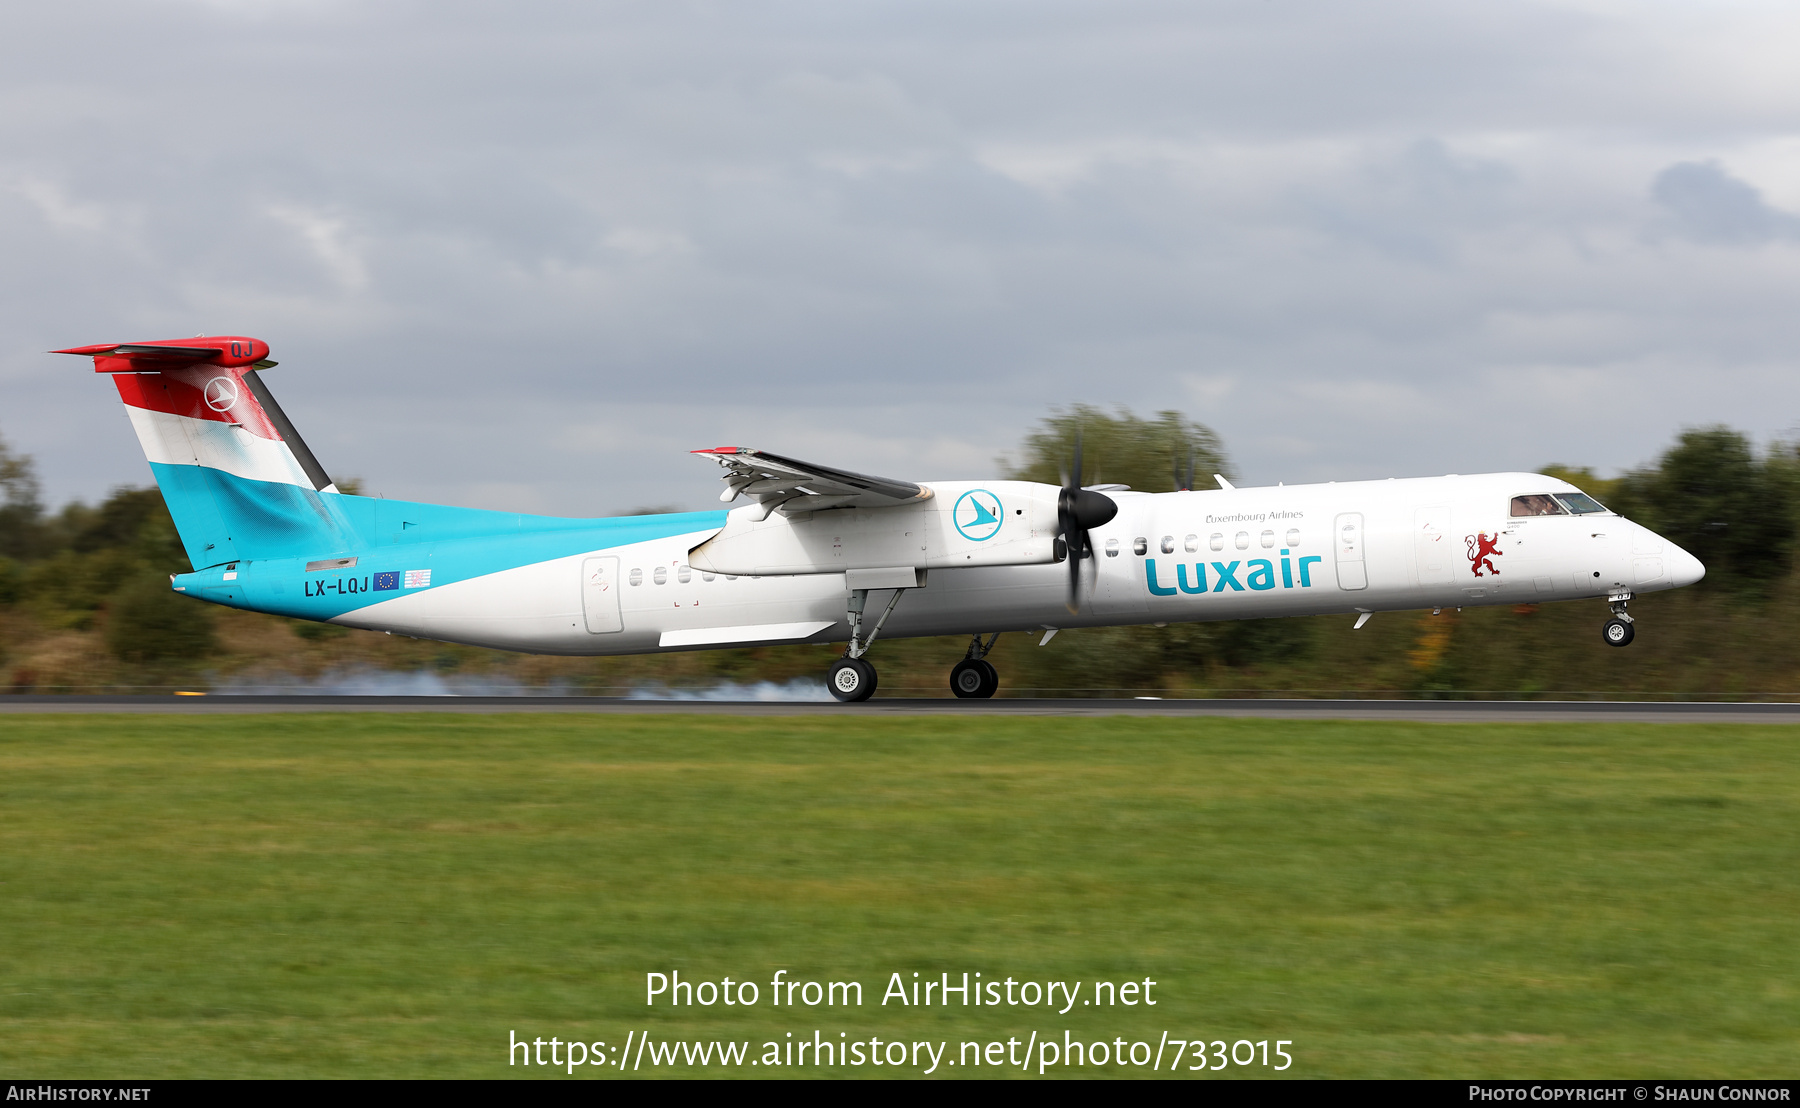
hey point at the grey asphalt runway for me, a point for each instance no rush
(1444, 711)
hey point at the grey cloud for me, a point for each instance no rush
(551, 246)
(1710, 205)
(1419, 205)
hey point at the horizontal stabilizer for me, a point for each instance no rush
(139, 357)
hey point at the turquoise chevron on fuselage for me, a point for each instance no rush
(289, 527)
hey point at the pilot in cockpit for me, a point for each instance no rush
(1556, 504)
(1539, 505)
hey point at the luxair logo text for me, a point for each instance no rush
(1259, 575)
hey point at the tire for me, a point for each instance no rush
(974, 679)
(851, 680)
(1617, 632)
(993, 679)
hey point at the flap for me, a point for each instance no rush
(794, 486)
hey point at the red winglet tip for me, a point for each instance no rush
(719, 450)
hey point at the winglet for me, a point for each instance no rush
(1224, 484)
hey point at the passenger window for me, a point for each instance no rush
(661, 575)
(1217, 542)
(684, 574)
(1293, 538)
(1192, 544)
(705, 576)
(637, 577)
(1580, 503)
(1168, 544)
(1541, 504)
(1243, 540)
(1140, 546)
(1112, 548)
(1268, 540)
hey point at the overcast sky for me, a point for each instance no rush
(527, 255)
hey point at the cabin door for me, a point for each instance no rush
(600, 595)
(1352, 573)
(1433, 546)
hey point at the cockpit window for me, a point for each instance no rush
(1580, 503)
(1540, 504)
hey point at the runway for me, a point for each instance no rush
(1441, 711)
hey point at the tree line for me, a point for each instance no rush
(102, 570)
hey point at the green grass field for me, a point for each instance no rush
(369, 895)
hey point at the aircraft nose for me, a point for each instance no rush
(1684, 568)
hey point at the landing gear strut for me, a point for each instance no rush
(974, 678)
(1618, 631)
(850, 678)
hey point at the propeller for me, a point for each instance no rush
(1077, 511)
(1184, 482)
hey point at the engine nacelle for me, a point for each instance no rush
(965, 523)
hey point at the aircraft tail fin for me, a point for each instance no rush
(238, 479)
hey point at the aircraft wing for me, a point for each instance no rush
(795, 486)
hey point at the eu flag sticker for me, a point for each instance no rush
(387, 582)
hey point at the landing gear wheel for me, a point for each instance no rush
(1617, 632)
(974, 679)
(851, 679)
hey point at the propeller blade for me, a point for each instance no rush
(1078, 510)
(1065, 525)
(1074, 601)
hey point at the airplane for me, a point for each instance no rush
(819, 554)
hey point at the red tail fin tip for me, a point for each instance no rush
(138, 357)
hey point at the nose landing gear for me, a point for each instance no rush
(1618, 631)
(974, 678)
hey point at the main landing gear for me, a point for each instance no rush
(851, 679)
(1618, 631)
(974, 678)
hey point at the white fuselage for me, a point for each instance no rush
(1256, 552)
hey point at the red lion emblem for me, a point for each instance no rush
(1482, 551)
